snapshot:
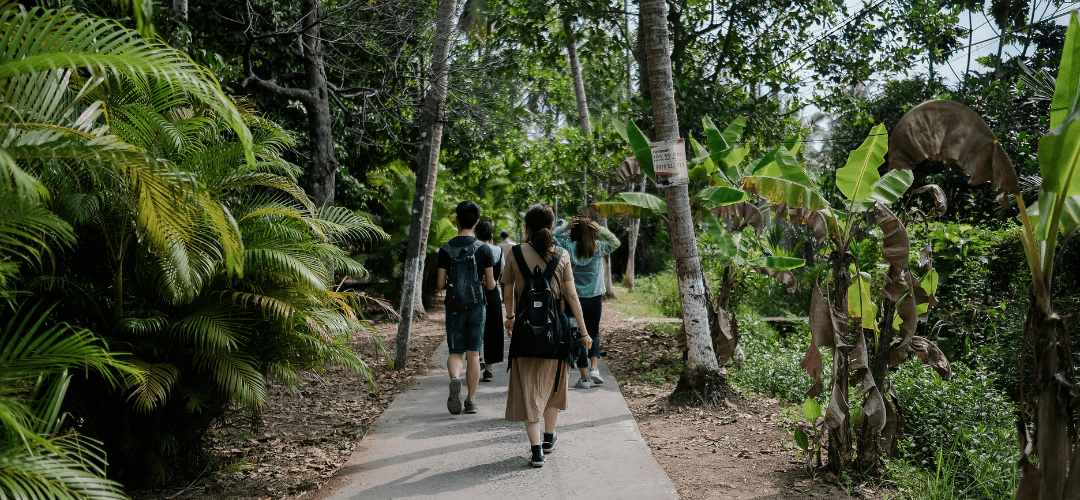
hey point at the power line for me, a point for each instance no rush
(1007, 32)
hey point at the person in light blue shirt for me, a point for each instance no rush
(587, 243)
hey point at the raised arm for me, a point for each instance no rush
(609, 237)
(562, 235)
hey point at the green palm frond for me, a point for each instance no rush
(142, 327)
(76, 207)
(41, 40)
(188, 267)
(287, 261)
(271, 307)
(236, 375)
(247, 179)
(35, 472)
(165, 209)
(340, 222)
(29, 348)
(153, 389)
(28, 230)
(212, 327)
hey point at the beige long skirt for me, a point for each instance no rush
(530, 391)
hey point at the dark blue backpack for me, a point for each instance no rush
(541, 329)
(464, 290)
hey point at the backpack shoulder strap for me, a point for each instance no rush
(523, 266)
(552, 265)
(475, 246)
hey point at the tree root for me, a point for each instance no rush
(701, 389)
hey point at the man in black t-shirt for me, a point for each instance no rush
(465, 329)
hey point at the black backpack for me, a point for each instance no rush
(463, 287)
(541, 329)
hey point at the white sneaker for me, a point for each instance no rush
(582, 384)
(594, 374)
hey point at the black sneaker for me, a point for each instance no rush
(453, 403)
(549, 446)
(470, 407)
(488, 376)
(537, 457)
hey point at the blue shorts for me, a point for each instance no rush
(465, 330)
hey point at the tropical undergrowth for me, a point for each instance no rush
(959, 435)
(186, 264)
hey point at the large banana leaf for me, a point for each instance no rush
(856, 179)
(724, 147)
(612, 209)
(640, 144)
(645, 200)
(778, 263)
(890, 188)
(1066, 91)
(785, 191)
(1059, 155)
(860, 304)
(718, 196)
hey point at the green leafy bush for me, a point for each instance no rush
(983, 294)
(663, 288)
(968, 408)
(772, 361)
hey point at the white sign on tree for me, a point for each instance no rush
(669, 163)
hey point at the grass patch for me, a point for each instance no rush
(640, 303)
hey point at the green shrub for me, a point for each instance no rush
(663, 288)
(983, 296)
(772, 362)
(968, 408)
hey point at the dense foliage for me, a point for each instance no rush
(160, 242)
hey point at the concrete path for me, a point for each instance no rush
(417, 449)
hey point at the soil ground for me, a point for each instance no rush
(303, 438)
(742, 451)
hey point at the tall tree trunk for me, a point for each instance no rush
(635, 227)
(641, 58)
(324, 164)
(701, 381)
(586, 127)
(579, 82)
(180, 9)
(426, 173)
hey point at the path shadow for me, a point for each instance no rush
(445, 482)
(397, 460)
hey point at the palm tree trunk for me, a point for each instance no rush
(586, 126)
(579, 82)
(701, 381)
(426, 174)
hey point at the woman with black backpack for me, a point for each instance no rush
(537, 388)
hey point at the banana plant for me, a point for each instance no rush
(842, 323)
(716, 167)
(955, 135)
